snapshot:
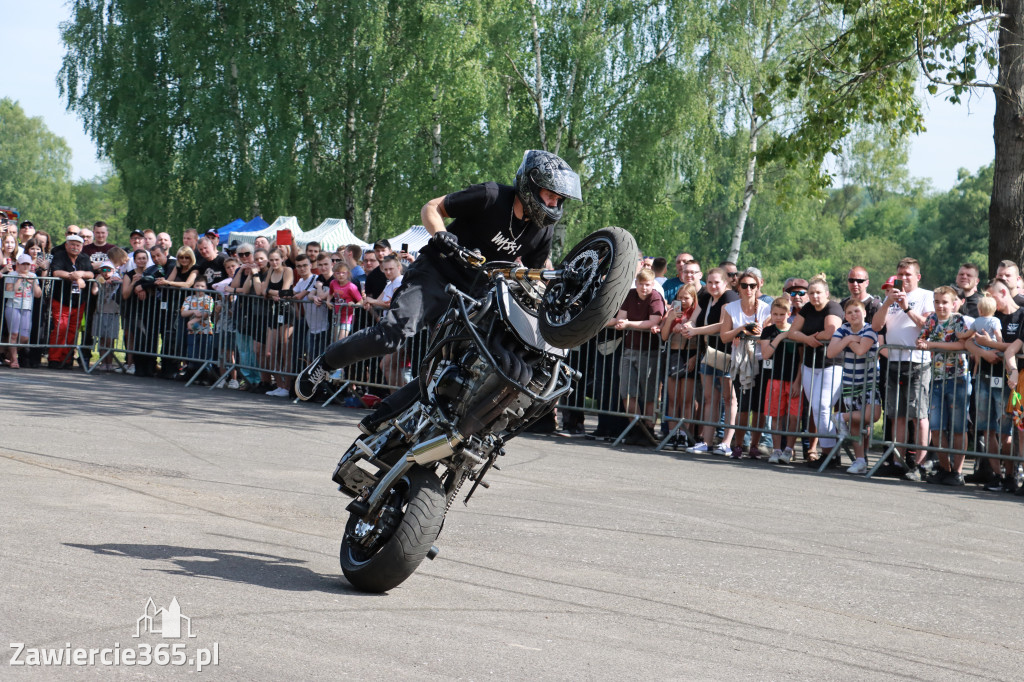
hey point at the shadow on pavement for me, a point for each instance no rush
(253, 568)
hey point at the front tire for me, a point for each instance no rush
(598, 273)
(411, 521)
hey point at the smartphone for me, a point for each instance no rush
(284, 237)
(898, 285)
(677, 306)
(405, 248)
(749, 327)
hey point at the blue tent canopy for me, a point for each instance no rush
(233, 226)
(254, 225)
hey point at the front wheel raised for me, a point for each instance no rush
(379, 555)
(596, 276)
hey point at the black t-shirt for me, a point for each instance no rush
(814, 322)
(871, 306)
(96, 253)
(711, 313)
(213, 270)
(785, 361)
(376, 280)
(1013, 329)
(66, 288)
(484, 220)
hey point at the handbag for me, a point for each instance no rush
(716, 359)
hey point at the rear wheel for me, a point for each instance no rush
(379, 554)
(597, 275)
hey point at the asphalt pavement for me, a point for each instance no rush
(580, 562)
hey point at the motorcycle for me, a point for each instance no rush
(495, 363)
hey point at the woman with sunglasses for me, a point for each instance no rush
(742, 324)
(814, 326)
(245, 315)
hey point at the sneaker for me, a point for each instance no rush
(721, 449)
(936, 476)
(786, 456)
(699, 449)
(233, 384)
(952, 478)
(130, 369)
(995, 484)
(310, 378)
(859, 467)
(278, 393)
(737, 452)
(774, 459)
(753, 453)
(912, 475)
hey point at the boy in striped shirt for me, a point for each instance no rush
(858, 344)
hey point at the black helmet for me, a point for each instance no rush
(544, 170)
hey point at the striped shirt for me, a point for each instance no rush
(858, 371)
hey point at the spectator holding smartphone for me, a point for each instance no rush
(902, 314)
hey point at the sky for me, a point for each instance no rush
(957, 136)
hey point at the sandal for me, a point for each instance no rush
(15, 365)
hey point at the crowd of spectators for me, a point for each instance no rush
(716, 363)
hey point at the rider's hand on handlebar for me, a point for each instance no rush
(445, 241)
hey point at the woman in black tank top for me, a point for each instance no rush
(276, 287)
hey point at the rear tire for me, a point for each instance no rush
(420, 500)
(600, 272)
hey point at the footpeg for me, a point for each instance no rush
(432, 552)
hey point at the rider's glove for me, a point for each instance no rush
(445, 242)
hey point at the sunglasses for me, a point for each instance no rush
(748, 285)
(733, 275)
(335, 260)
(798, 293)
(854, 280)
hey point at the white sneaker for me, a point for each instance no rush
(698, 449)
(233, 384)
(721, 449)
(859, 467)
(776, 454)
(130, 369)
(278, 393)
(787, 454)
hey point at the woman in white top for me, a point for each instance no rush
(20, 289)
(742, 323)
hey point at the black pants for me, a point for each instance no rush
(418, 303)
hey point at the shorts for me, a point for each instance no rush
(677, 363)
(108, 325)
(948, 410)
(637, 375)
(777, 399)
(709, 371)
(908, 387)
(991, 406)
(861, 401)
(343, 326)
(752, 399)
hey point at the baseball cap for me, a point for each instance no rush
(137, 232)
(74, 238)
(212, 233)
(889, 282)
(24, 258)
(797, 283)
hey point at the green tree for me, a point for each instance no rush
(102, 198)
(867, 70)
(35, 169)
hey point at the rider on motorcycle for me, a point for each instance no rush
(533, 207)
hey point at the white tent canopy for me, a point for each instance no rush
(331, 234)
(282, 223)
(416, 237)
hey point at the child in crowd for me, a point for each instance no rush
(986, 323)
(225, 323)
(198, 311)
(948, 412)
(107, 286)
(21, 288)
(343, 291)
(783, 395)
(857, 342)
(680, 382)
